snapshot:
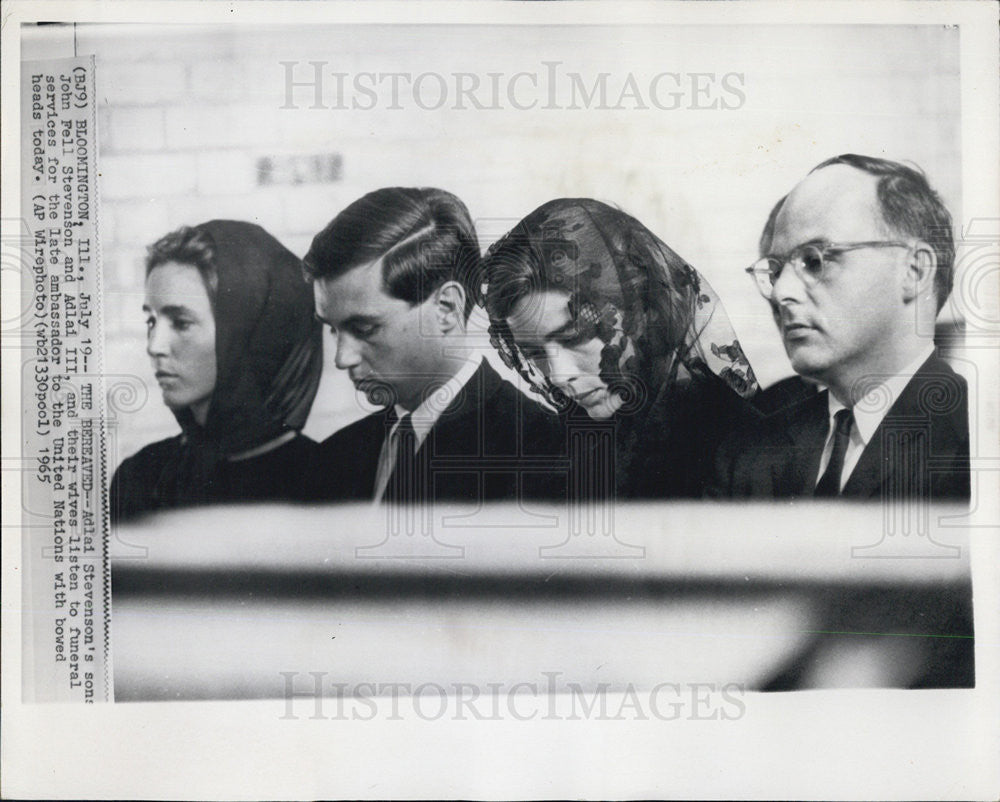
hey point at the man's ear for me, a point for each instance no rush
(920, 271)
(449, 301)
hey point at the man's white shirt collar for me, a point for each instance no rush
(422, 419)
(426, 415)
(869, 413)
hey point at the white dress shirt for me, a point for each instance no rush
(868, 415)
(423, 419)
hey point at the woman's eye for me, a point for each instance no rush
(149, 323)
(182, 325)
(575, 337)
(533, 351)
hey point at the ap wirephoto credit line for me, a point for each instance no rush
(64, 427)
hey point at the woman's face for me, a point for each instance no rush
(180, 337)
(567, 353)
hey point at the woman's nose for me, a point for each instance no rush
(157, 340)
(560, 367)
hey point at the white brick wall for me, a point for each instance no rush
(147, 176)
(138, 128)
(142, 83)
(225, 172)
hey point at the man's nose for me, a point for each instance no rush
(788, 286)
(348, 351)
(157, 340)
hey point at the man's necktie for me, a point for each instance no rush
(829, 482)
(406, 483)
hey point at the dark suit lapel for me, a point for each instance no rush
(349, 459)
(807, 430)
(459, 429)
(872, 469)
(896, 457)
(377, 427)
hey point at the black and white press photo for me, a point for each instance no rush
(603, 391)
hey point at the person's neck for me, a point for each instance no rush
(852, 383)
(199, 411)
(451, 364)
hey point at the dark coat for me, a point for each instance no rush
(273, 476)
(269, 357)
(666, 451)
(920, 450)
(490, 440)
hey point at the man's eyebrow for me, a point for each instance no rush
(804, 243)
(353, 319)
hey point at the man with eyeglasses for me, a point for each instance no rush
(857, 262)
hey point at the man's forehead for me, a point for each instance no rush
(359, 291)
(838, 203)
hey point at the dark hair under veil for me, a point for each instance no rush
(669, 351)
(269, 359)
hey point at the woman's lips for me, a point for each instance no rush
(580, 398)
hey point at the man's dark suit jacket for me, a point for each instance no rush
(492, 443)
(920, 450)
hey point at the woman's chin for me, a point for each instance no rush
(177, 404)
(604, 407)
(173, 404)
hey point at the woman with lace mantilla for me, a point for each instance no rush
(604, 320)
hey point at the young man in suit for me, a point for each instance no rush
(857, 263)
(393, 277)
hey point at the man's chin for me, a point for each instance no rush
(808, 364)
(378, 394)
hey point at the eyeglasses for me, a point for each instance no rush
(808, 261)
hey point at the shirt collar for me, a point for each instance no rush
(872, 408)
(426, 415)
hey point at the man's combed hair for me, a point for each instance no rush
(424, 237)
(187, 246)
(910, 206)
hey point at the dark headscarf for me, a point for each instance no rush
(669, 351)
(268, 350)
(656, 314)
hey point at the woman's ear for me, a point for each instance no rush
(920, 271)
(450, 307)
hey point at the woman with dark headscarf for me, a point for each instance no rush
(603, 319)
(238, 355)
